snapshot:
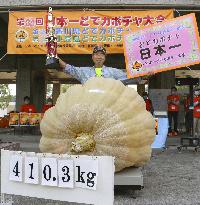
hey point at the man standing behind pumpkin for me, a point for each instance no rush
(173, 101)
(98, 70)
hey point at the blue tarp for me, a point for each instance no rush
(160, 139)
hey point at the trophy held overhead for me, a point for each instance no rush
(52, 61)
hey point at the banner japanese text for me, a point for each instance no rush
(77, 31)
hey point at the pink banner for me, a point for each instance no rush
(166, 46)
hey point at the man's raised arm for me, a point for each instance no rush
(62, 64)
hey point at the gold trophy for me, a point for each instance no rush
(52, 61)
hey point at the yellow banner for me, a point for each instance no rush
(77, 31)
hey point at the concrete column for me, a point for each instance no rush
(56, 92)
(38, 89)
(23, 80)
(140, 89)
(164, 80)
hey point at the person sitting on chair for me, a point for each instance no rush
(27, 107)
(48, 105)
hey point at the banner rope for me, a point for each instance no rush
(178, 12)
(3, 56)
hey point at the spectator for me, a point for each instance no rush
(196, 113)
(173, 102)
(27, 107)
(149, 105)
(48, 105)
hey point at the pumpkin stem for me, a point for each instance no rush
(83, 143)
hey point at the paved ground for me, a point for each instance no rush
(170, 178)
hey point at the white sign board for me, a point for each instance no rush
(15, 168)
(49, 171)
(66, 173)
(86, 173)
(58, 177)
(31, 170)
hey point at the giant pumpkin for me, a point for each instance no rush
(101, 117)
